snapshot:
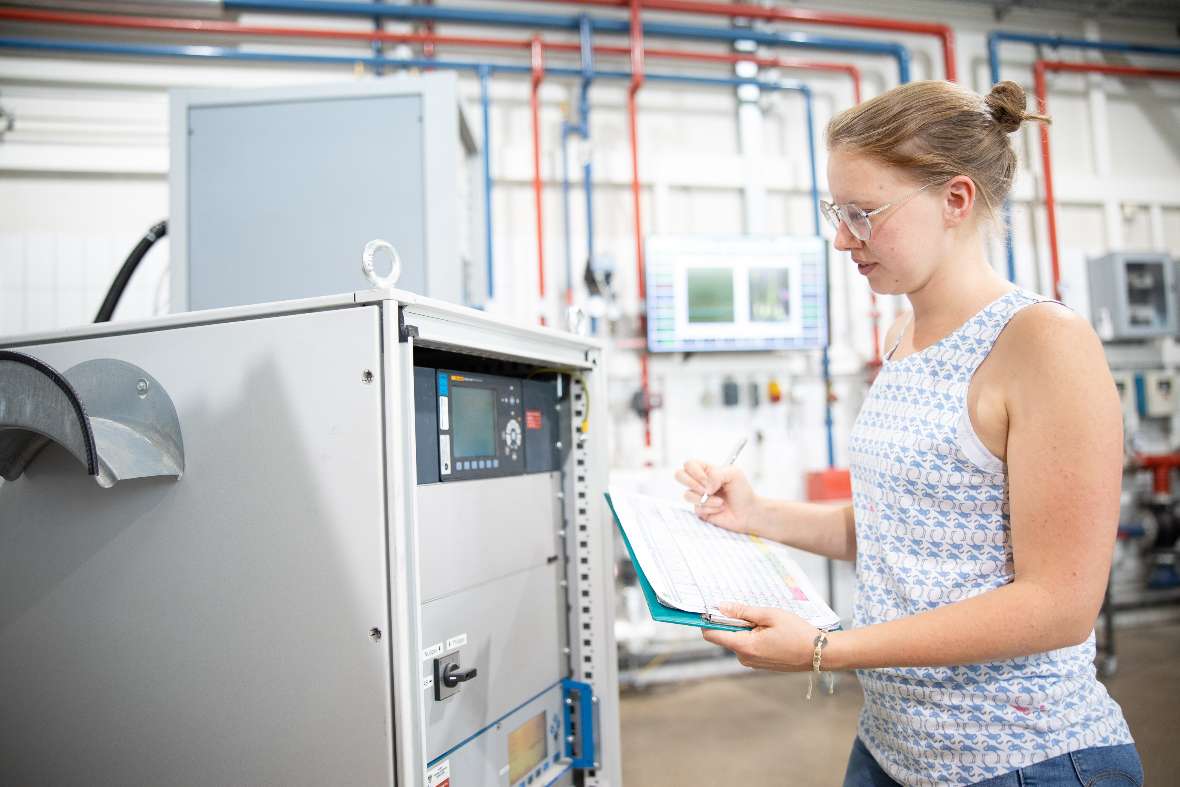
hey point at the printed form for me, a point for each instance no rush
(695, 566)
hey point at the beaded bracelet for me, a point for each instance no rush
(820, 640)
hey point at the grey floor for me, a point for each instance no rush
(758, 729)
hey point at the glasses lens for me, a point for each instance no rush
(829, 212)
(858, 222)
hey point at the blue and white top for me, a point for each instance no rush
(932, 528)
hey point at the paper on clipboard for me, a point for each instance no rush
(695, 566)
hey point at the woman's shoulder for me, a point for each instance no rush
(1046, 338)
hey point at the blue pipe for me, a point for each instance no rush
(485, 106)
(574, 23)
(582, 129)
(378, 49)
(997, 37)
(828, 421)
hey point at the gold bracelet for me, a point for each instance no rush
(821, 639)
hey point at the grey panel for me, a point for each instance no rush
(425, 425)
(512, 668)
(541, 427)
(212, 630)
(484, 760)
(284, 195)
(475, 531)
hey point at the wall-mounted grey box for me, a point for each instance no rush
(275, 191)
(1132, 295)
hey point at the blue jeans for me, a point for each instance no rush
(1100, 766)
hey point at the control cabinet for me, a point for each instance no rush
(350, 540)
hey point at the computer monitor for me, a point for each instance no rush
(740, 293)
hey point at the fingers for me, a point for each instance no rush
(694, 487)
(759, 616)
(698, 471)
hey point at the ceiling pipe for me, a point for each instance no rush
(425, 39)
(1040, 67)
(998, 37)
(573, 22)
(944, 33)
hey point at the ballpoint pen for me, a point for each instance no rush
(733, 455)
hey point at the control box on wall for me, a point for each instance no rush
(1132, 295)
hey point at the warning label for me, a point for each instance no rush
(439, 775)
(532, 419)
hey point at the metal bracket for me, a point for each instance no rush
(405, 332)
(111, 416)
(580, 741)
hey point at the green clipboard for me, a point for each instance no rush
(660, 612)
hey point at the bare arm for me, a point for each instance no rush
(822, 529)
(1064, 465)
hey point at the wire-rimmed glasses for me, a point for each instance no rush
(856, 218)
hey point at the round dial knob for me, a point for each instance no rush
(512, 434)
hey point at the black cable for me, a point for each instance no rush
(115, 293)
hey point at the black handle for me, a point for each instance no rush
(453, 677)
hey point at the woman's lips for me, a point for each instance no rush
(865, 268)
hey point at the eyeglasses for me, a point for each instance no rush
(856, 218)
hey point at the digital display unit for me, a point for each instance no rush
(741, 293)
(527, 748)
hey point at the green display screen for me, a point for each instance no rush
(710, 295)
(473, 421)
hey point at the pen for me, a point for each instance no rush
(733, 455)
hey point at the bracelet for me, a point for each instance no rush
(821, 639)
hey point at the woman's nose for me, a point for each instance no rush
(845, 240)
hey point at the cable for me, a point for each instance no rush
(115, 293)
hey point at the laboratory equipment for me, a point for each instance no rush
(736, 293)
(372, 550)
(298, 173)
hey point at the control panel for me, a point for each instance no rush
(471, 424)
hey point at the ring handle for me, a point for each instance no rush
(367, 258)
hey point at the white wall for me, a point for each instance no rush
(83, 174)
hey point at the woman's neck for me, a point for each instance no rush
(956, 292)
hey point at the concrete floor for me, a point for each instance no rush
(758, 729)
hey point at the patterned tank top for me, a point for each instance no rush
(932, 528)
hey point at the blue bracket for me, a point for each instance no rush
(585, 701)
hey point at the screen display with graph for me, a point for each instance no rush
(736, 293)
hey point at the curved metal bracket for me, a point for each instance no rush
(112, 416)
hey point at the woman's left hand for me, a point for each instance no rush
(780, 640)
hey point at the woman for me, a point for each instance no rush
(986, 466)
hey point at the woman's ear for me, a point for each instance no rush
(960, 199)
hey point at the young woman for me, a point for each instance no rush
(986, 465)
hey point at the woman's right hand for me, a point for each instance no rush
(732, 503)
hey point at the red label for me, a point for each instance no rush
(532, 419)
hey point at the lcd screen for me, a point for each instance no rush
(526, 748)
(770, 294)
(710, 295)
(473, 421)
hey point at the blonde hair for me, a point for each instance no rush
(935, 130)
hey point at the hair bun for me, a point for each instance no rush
(1006, 103)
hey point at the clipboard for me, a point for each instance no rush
(660, 612)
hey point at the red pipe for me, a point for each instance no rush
(537, 61)
(1042, 92)
(640, 272)
(1161, 467)
(945, 35)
